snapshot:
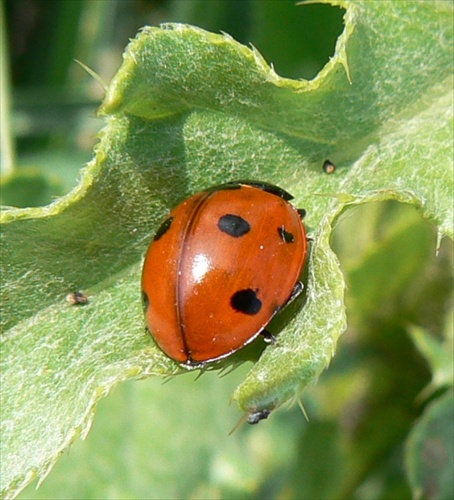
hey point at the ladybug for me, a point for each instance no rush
(219, 268)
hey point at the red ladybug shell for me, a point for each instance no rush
(222, 264)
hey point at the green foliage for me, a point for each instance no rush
(188, 109)
(29, 187)
(430, 454)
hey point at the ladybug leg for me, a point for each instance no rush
(297, 290)
(268, 337)
(301, 213)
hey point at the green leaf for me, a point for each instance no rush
(186, 110)
(28, 187)
(438, 355)
(430, 454)
(154, 440)
(387, 252)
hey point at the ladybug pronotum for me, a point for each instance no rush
(220, 267)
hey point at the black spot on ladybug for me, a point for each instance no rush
(233, 225)
(285, 235)
(145, 300)
(246, 301)
(163, 228)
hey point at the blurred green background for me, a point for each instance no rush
(364, 406)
